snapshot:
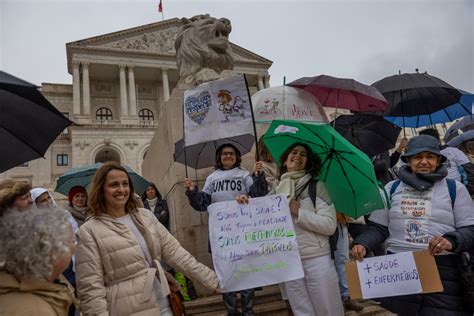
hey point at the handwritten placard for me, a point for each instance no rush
(389, 275)
(253, 244)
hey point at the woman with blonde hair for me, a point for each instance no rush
(117, 262)
(36, 247)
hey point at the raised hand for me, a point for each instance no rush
(188, 184)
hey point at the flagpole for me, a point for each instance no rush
(253, 119)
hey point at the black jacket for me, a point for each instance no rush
(161, 211)
(200, 200)
(450, 301)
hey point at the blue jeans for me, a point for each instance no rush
(341, 255)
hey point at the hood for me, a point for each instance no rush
(36, 192)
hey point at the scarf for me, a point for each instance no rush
(421, 181)
(152, 203)
(290, 183)
(79, 213)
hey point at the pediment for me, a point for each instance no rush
(152, 39)
(161, 41)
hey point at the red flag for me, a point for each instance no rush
(160, 7)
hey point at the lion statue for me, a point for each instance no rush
(203, 49)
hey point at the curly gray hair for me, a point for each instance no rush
(32, 240)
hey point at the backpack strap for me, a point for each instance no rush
(452, 190)
(312, 190)
(463, 174)
(388, 202)
(334, 237)
(394, 187)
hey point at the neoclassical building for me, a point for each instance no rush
(120, 82)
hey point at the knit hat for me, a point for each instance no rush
(74, 190)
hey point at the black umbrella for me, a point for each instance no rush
(203, 155)
(370, 133)
(415, 94)
(28, 122)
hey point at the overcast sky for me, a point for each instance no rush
(364, 40)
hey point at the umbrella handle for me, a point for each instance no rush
(253, 119)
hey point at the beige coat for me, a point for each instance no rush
(33, 297)
(112, 274)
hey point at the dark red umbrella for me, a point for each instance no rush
(343, 93)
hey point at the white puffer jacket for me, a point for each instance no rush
(112, 274)
(314, 225)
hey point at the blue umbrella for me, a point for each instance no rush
(454, 111)
(465, 124)
(461, 138)
(83, 176)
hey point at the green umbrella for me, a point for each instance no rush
(347, 172)
(83, 176)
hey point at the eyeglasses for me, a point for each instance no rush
(230, 154)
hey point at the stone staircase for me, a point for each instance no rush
(267, 302)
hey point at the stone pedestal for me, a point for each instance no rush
(187, 225)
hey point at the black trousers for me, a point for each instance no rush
(247, 298)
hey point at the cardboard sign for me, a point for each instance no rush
(253, 244)
(398, 274)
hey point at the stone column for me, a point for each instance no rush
(159, 98)
(76, 88)
(166, 85)
(267, 81)
(260, 83)
(123, 91)
(131, 91)
(86, 89)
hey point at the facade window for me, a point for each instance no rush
(103, 114)
(62, 159)
(145, 115)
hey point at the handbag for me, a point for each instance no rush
(176, 302)
(467, 280)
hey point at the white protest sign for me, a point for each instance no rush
(218, 109)
(253, 244)
(389, 275)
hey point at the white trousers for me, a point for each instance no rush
(165, 309)
(317, 294)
